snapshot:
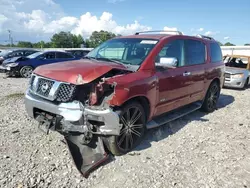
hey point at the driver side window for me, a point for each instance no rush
(173, 49)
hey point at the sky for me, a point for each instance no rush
(36, 20)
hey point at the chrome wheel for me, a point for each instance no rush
(26, 71)
(132, 130)
(213, 96)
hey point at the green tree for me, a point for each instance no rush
(248, 44)
(99, 37)
(229, 44)
(220, 43)
(62, 40)
(24, 44)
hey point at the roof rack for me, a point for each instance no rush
(160, 32)
(205, 37)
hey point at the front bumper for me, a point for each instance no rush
(234, 83)
(75, 111)
(3, 69)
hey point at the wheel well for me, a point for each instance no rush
(217, 80)
(144, 102)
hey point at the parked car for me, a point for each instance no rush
(15, 53)
(24, 66)
(78, 53)
(123, 87)
(237, 71)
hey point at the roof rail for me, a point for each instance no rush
(205, 37)
(159, 31)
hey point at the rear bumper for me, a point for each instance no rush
(234, 83)
(75, 111)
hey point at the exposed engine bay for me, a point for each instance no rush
(84, 118)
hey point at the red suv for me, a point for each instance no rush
(105, 102)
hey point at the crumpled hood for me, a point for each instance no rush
(14, 59)
(234, 70)
(69, 71)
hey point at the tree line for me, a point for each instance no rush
(68, 40)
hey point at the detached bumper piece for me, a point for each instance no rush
(86, 157)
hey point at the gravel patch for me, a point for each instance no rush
(199, 150)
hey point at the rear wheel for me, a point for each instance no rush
(133, 119)
(26, 71)
(212, 96)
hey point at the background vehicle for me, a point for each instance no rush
(15, 53)
(78, 53)
(123, 87)
(24, 66)
(237, 71)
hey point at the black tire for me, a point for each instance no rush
(211, 98)
(246, 84)
(26, 71)
(131, 134)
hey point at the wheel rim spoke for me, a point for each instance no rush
(133, 121)
(135, 132)
(132, 128)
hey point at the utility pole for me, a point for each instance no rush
(10, 38)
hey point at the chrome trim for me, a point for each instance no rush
(53, 90)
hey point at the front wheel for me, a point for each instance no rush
(212, 96)
(26, 71)
(133, 118)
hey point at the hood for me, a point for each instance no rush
(234, 70)
(14, 59)
(69, 71)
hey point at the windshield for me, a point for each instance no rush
(131, 51)
(4, 53)
(34, 55)
(236, 62)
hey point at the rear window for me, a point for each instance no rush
(215, 53)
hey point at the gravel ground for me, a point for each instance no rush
(199, 150)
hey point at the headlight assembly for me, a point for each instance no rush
(12, 65)
(237, 75)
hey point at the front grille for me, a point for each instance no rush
(65, 92)
(44, 86)
(227, 75)
(52, 89)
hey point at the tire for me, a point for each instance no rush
(246, 84)
(130, 134)
(26, 71)
(211, 98)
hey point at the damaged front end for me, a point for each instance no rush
(79, 112)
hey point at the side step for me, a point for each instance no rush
(173, 115)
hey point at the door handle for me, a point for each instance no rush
(186, 73)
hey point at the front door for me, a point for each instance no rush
(185, 83)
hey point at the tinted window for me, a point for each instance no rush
(49, 55)
(172, 49)
(29, 53)
(63, 55)
(195, 52)
(216, 55)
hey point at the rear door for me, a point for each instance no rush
(194, 68)
(61, 56)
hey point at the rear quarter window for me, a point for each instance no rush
(215, 53)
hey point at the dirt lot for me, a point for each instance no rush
(199, 150)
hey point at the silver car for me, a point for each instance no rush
(237, 71)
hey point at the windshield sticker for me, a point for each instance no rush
(148, 42)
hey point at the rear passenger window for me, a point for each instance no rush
(215, 53)
(195, 52)
(63, 55)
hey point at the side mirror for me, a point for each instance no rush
(167, 62)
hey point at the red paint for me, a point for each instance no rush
(146, 82)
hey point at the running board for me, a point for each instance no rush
(173, 115)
